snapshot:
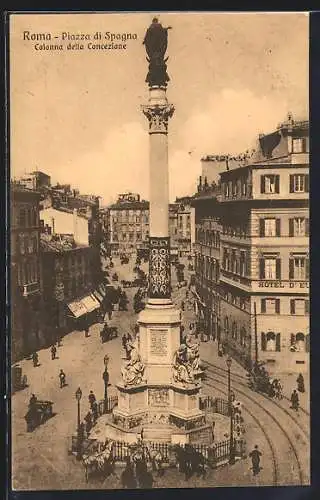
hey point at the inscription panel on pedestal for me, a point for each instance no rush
(159, 342)
(158, 397)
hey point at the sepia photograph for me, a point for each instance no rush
(159, 250)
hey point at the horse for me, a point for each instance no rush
(156, 459)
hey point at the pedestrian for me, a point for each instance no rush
(295, 400)
(129, 337)
(95, 414)
(255, 455)
(33, 400)
(105, 377)
(182, 305)
(91, 398)
(35, 359)
(86, 331)
(53, 352)
(88, 422)
(62, 378)
(124, 340)
(300, 382)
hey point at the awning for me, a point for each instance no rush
(90, 303)
(84, 306)
(77, 308)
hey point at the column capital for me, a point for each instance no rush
(158, 116)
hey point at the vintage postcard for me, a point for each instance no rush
(159, 242)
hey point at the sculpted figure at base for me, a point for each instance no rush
(133, 370)
(182, 368)
(193, 355)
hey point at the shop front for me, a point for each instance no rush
(83, 312)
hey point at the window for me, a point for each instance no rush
(270, 306)
(270, 184)
(299, 226)
(243, 335)
(270, 341)
(299, 307)
(22, 217)
(299, 183)
(124, 236)
(298, 145)
(270, 268)
(269, 227)
(299, 342)
(226, 325)
(234, 331)
(299, 268)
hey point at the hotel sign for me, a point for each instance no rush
(283, 284)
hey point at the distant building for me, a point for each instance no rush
(128, 223)
(65, 221)
(35, 180)
(252, 252)
(26, 331)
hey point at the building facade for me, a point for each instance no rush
(263, 284)
(128, 223)
(67, 283)
(26, 321)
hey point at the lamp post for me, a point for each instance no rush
(78, 398)
(231, 455)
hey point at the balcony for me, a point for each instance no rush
(30, 289)
(235, 280)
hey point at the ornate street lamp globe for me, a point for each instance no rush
(229, 362)
(78, 394)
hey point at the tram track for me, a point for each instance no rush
(259, 416)
(245, 379)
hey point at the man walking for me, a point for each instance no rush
(62, 378)
(295, 400)
(53, 352)
(255, 458)
(91, 398)
(35, 359)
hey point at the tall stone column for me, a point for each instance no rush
(159, 391)
(158, 111)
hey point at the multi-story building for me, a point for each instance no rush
(185, 234)
(36, 180)
(25, 271)
(128, 223)
(262, 218)
(69, 292)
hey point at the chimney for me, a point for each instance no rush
(52, 225)
(75, 225)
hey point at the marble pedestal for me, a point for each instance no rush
(167, 411)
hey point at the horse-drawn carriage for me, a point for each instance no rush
(18, 380)
(38, 413)
(108, 333)
(260, 381)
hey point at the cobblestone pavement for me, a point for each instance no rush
(41, 459)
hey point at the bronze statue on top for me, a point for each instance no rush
(156, 42)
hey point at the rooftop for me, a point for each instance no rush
(129, 205)
(58, 243)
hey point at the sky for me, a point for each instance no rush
(76, 115)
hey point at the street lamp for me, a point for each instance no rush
(231, 455)
(78, 398)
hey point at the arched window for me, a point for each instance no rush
(300, 342)
(243, 335)
(234, 330)
(226, 325)
(270, 341)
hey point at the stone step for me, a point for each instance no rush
(158, 433)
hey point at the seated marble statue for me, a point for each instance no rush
(182, 368)
(132, 371)
(193, 355)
